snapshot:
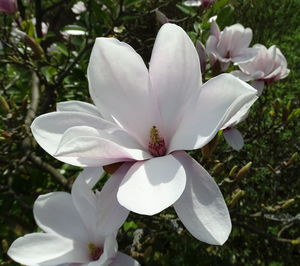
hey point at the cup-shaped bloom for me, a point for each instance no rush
(8, 6)
(203, 3)
(230, 45)
(269, 65)
(78, 228)
(146, 118)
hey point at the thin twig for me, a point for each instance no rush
(26, 143)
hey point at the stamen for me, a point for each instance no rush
(157, 145)
(95, 252)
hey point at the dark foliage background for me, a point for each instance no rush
(264, 199)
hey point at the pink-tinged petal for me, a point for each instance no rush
(214, 29)
(219, 100)
(55, 213)
(244, 56)
(85, 201)
(224, 43)
(211, 45)
(202, 55)
(258, 75)
(48, 130)
(77, 106)
(151, 186)
(234, 138)
(241, 38)
(119, 86)
(241, 75)
(175, 74)
(87, 142)
(258, 85)
(122, 259)
(201, 207)
(47, 250)
(111, 214)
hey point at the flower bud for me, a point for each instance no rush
(161, 18)
(243, 171)
(237, 195)
(287, 204)
(3, 104)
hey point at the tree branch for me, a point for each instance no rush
(26, 143)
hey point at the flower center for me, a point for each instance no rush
(95, 252)
(156, 145)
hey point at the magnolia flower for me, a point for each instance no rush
(204, 3)
(146, 119)
(230, 45)
(79, 228)
(8, 6)
(269, 65)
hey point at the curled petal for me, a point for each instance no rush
(220, 99)
(201, 207)
(77, 106)
(151, 186)
(87, 142)
(48, 130)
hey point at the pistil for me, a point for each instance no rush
(95, 252)
(156, 145)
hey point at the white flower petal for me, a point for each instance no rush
(201, 207)
(91, 175)
(87, 142)
(151, 186)
(244, 56)
(174, 72)
(122, 259)
(259, 85)
(55, 213)
(241, 38)
(77, 106)
(214, 28)
(119, 86)
(219, 100)
(85, 200)
(111, 215)
(47, 250)
(234, 138)
(241, 75)
(48, 130)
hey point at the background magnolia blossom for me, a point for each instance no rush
(78, 228)
(230, 45)
(269, 65)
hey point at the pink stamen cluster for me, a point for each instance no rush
(157, 145)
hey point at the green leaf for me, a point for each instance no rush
(186, 9)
